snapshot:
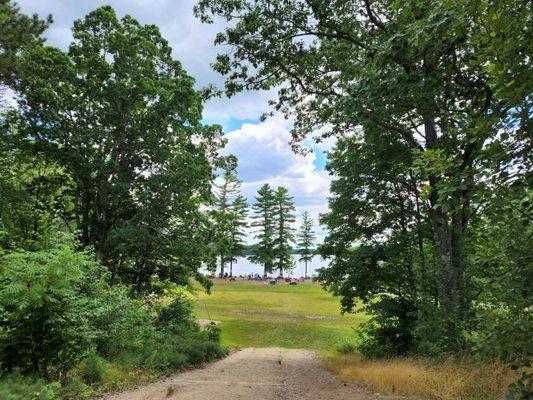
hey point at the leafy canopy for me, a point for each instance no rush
(123, 119)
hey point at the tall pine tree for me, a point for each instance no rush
(263, 220)
(284, 219)
(239, 214)
(17, 31)
(306, 238)
(225, 193)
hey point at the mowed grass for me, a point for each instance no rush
(255, 314)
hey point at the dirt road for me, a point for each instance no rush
(255, 374)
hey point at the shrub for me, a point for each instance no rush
(165, 358)
(93, 368)
(45, 307)
(17, 387)
(347, 347)
(178, 313)
(56, 306)
(120, 323)
(213, 332)
(76, 389)
(178, 352)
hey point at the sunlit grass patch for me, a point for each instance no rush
(426, 379)
(254, 314)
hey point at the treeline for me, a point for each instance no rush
(430, 209)
(272, 221)
(104, 170)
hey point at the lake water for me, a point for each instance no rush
(244, 267)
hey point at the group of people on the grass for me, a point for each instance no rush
(258, 277)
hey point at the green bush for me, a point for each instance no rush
(165, 358)
(178, 313)
(93, 368)
(76, 389)
(46, 305)
(347, 347)
(213, 332)
(58, 311)
(17, 387)
(120, 323)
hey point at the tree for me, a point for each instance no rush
(306, 238)
(225, 214)
(264, 210)
(29, 188)
(239, 216)
(124, 120)
(17, 31)
(377, 241)
(284, 236)
(426, 73)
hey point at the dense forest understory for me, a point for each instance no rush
(112, 199)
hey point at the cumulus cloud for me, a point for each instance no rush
(265, 157)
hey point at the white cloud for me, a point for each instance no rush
(265, 157)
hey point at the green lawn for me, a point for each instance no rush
(254, 314)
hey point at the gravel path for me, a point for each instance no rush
(255, 374)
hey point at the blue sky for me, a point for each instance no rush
(261, 147)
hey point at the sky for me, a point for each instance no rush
(262, 148)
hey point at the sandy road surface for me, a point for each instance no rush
(255, 374)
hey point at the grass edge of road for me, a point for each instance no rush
(425, 378)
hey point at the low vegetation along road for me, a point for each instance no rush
(281, 328)
(259, 374)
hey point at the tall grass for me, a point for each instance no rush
(450, 379)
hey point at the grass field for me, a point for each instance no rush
(255, 314)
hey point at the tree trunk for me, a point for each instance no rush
(231, 267)
(449, 247)
(221, 266)
(305, 275)
(459, 263)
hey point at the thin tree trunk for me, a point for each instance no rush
(459, 264)
(447, 282)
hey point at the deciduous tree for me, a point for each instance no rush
(429, 74)
(17, 31)
(123, 118)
